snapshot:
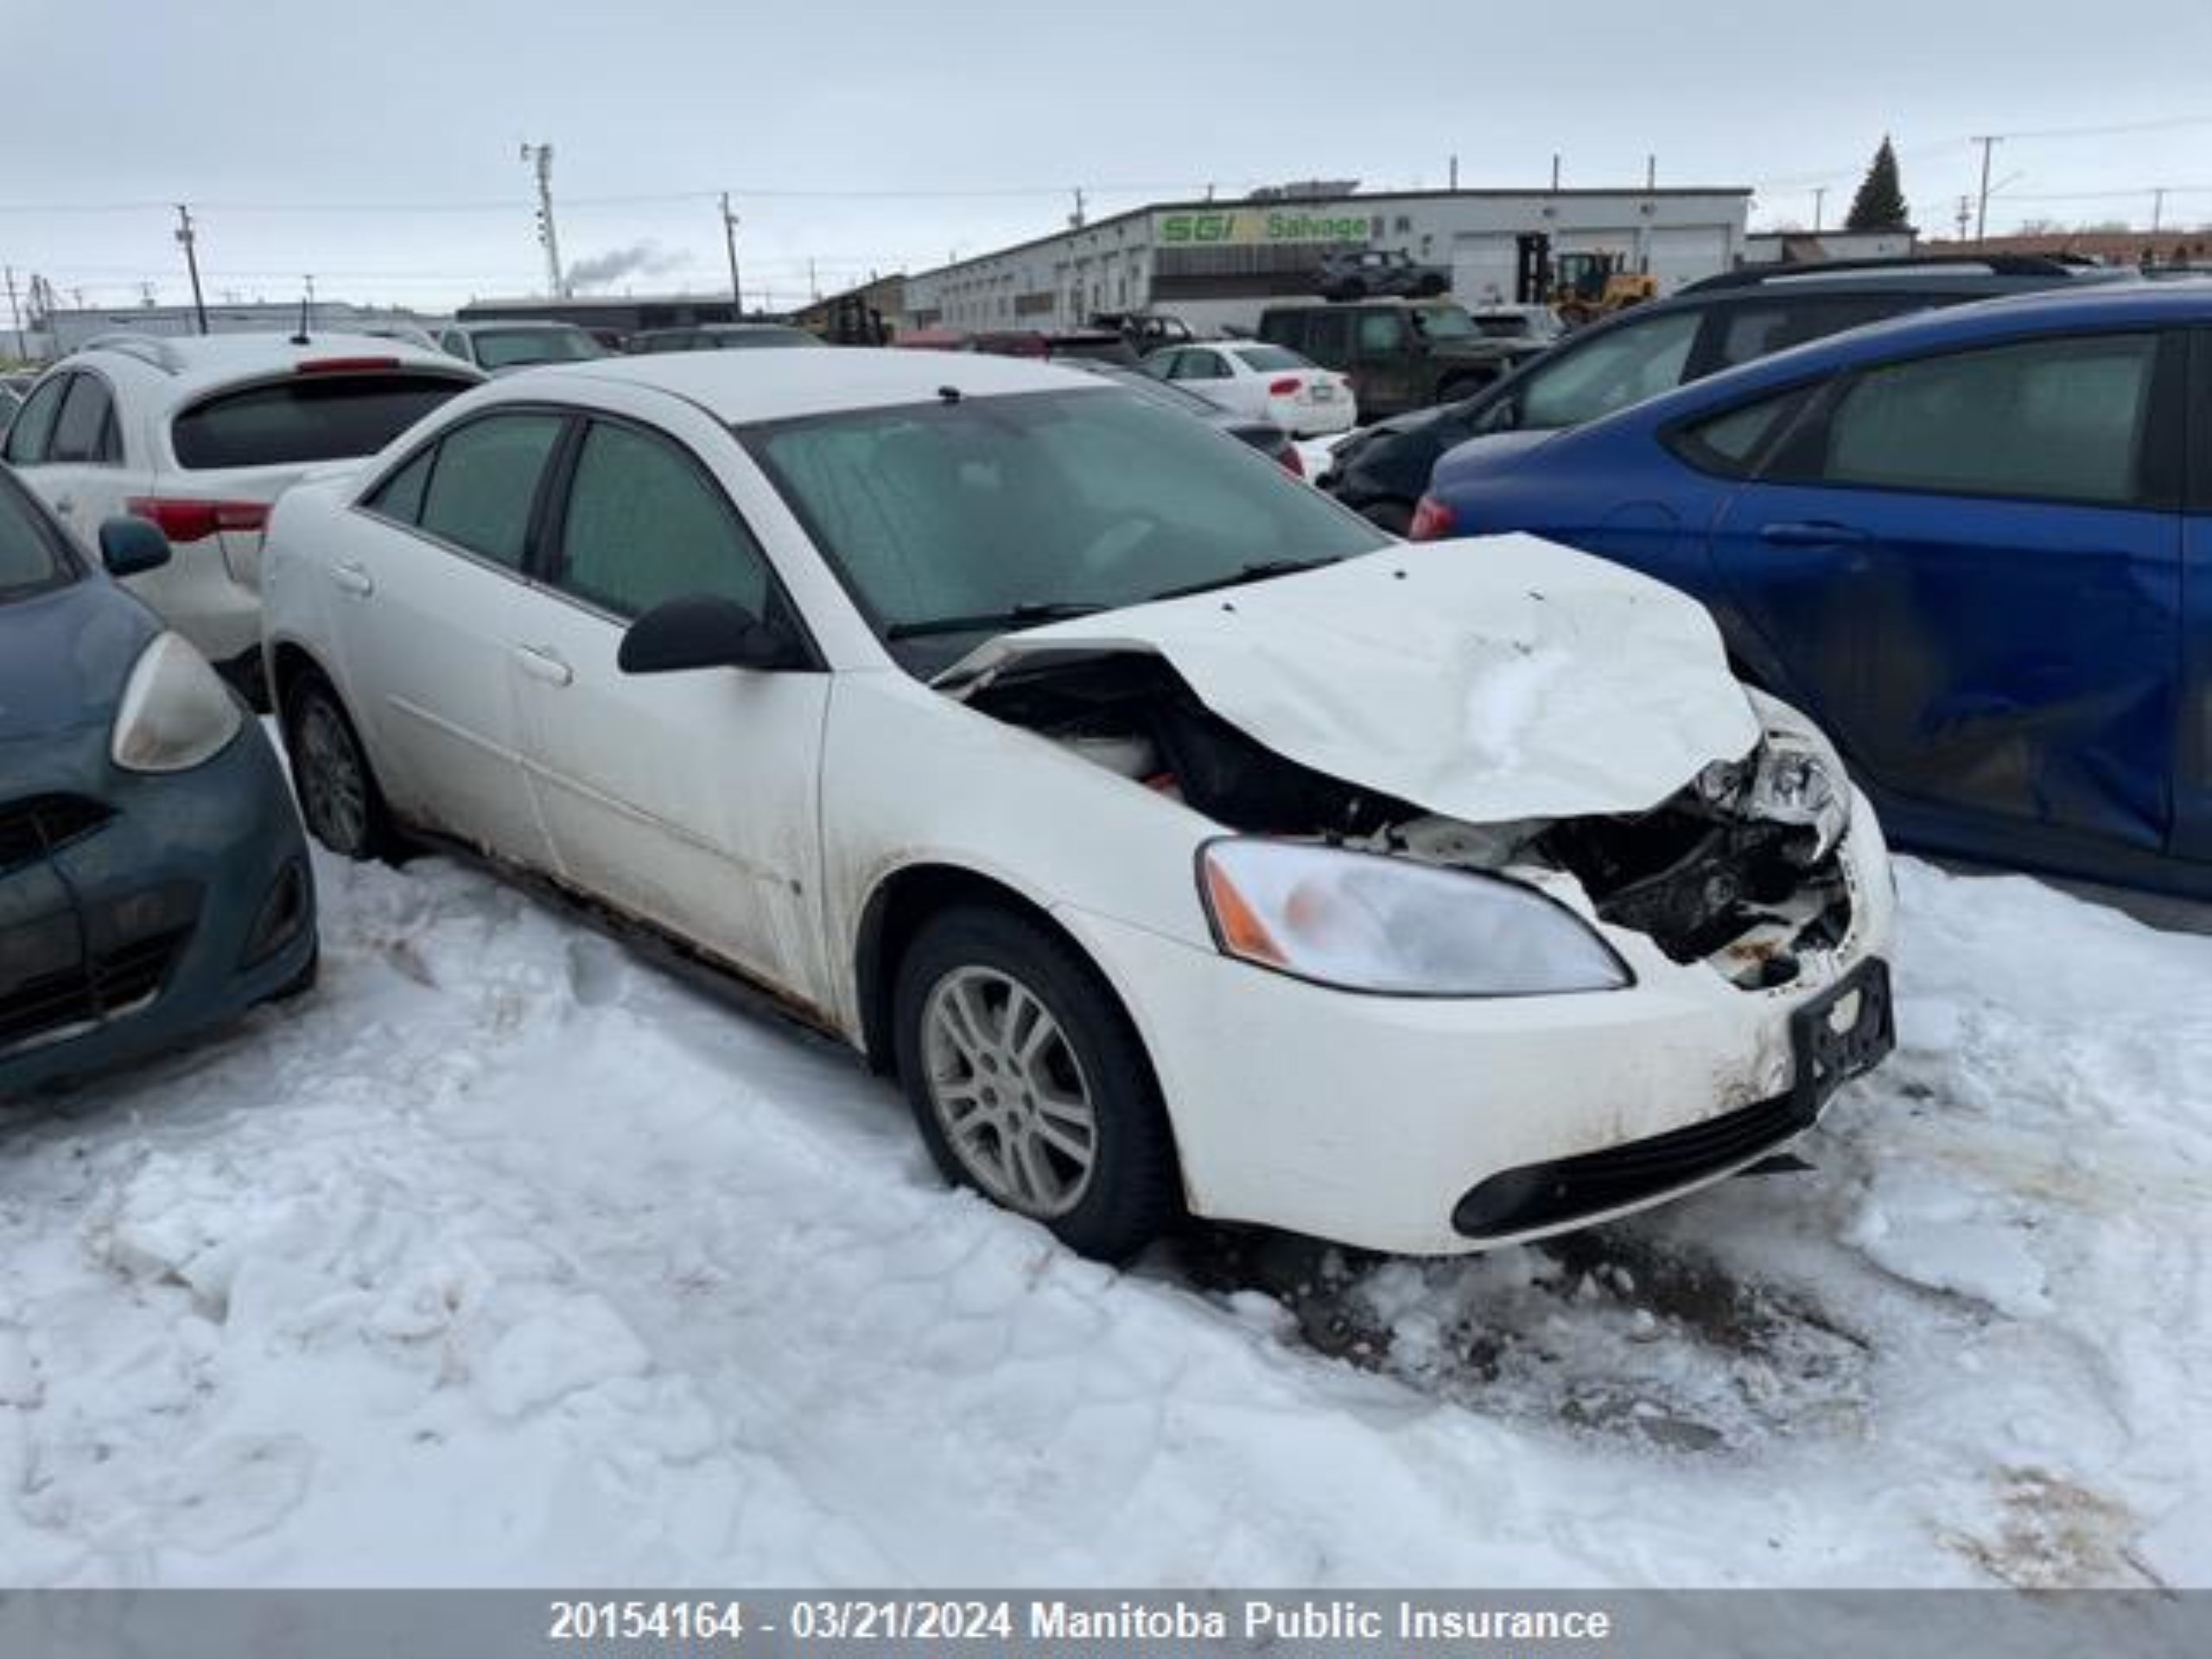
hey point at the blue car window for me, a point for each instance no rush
(1728, 443)
(2053, 419)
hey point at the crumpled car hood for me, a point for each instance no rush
(1489, 681)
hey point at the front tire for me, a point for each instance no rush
(1028, 1082)
(339, 798)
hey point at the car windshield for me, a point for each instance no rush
(30, 559)
(1444, 322)
(1001, 509)
(512, 348)
(1269, 360)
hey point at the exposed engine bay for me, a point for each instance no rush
(1739, 869)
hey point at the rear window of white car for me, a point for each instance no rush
(1270, 359)
(305, 419)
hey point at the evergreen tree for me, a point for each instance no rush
(1879, 205)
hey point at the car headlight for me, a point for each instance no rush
(1796, 776)
(176, 712)
(1369, 922)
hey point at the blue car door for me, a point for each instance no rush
(1967, 568)
(2193, 752)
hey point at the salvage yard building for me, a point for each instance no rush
(1219, 264)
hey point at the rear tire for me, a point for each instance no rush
(338, 798)
(1029, 1083)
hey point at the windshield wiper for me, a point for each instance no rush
(1257, 572)
(993, 621)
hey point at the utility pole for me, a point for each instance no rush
(1964, 213)
(1455, 172)
(813, 286)
(729, 244)
(1554, 172)
(15, 315)
(1075, 220)
(2157, 210)
(1981, 211)
(1650, 172)
(186, 236)
(1820, 196)
(540, 157)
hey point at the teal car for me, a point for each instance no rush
(153, 878)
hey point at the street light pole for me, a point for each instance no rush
(187, 236)
(541, 156)
(1982, 209)
(729, 243)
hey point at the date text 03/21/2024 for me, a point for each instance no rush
(927, 1619)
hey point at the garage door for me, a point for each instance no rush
(1482, 269)
(1683, 254)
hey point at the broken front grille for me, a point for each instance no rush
(32, 827)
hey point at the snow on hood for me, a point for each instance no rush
(1489, 680)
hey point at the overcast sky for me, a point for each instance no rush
(376, 145)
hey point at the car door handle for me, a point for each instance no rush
(1810, 533)
(542, 663)
(352, 579)
(65, 506)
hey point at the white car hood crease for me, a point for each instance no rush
(1489, 681)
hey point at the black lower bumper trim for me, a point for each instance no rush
(1567, 1189)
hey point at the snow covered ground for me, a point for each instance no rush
(504, 1258)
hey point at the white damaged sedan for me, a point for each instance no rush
(1182, 844)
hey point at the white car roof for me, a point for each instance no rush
(192, 364)
(740, 387)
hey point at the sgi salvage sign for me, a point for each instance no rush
(1247, 227)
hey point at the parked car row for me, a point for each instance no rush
(1975, 544)
(1709, 327)
(1140, 808)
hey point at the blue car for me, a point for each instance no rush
(1975, 546)
(153, 879)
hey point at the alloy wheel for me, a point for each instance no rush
(1009, 1092)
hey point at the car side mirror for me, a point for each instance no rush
(705, 631)
(131, 547)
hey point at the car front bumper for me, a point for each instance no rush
(191, 901)
(1377, 1121)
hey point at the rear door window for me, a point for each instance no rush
(34, 423)
(483, 483)
(85, 432)
(306, 418)
(1381, 334)
(400, 497)
(2047, 420)
(1328, 338)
